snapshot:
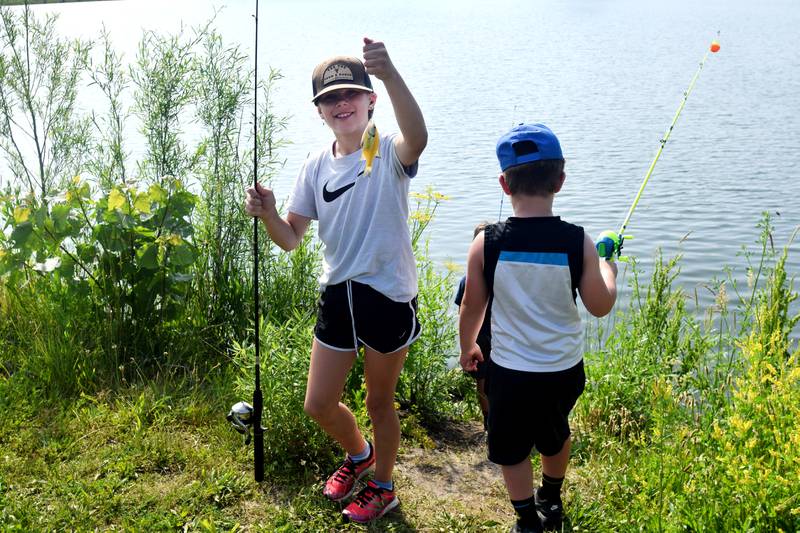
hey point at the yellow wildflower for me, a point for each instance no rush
(421, 216)
(21, 214)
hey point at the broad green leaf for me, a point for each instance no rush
(110, 237)
(115, 199)
(158, 194)
(182, 203)
(59, 214)
(86, 252)
(142, 203)
(21, 214)
(145, 232)
(67, 267)
(147, 256)
(22, 233)
(40, 215)
(181, 255)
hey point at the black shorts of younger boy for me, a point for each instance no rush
(351, 313)
(530, 409)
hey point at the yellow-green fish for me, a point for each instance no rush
(370, 142)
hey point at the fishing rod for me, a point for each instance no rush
(609, 243)
(243, 415)
(258, 400)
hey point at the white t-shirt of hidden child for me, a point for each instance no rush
(363, 220)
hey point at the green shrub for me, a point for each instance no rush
(656, 337)
(125, 258)
(706, 446)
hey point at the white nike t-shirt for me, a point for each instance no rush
(363, 220)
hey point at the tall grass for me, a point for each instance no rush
(689, 427)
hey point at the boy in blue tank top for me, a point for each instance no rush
(531, 268)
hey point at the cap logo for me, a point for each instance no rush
(337, 72)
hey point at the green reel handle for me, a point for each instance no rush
(609, 244)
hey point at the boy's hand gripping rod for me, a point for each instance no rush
(609, 243)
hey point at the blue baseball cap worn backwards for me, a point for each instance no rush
(526, 143)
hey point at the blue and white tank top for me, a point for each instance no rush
(533, 267)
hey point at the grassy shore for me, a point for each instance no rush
(684, 426)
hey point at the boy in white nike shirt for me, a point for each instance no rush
(369, 280)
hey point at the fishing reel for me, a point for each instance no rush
(241, 418)
(609, 245)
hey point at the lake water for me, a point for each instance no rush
(606, 76)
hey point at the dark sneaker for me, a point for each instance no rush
(550, 512)
(371, 503)
(342, 482)
(526, 529)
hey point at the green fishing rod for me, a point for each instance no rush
(609, 243)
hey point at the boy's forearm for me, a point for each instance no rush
(469, 323)
(280, 231)
(407, 112)
(609, 272)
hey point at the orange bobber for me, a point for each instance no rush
(714, 46)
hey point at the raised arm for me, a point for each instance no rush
(286, 233)
(413, 136)
(473, 306)
(598, 285)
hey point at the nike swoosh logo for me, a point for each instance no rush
(330, 196)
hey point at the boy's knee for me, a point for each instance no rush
(318, 410)
(379, 407)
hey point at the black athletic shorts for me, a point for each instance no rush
(530, 409)
(351, 313)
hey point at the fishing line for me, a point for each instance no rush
(502, 193)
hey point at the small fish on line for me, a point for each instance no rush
(370, 143)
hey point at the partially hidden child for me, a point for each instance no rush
(484, 341)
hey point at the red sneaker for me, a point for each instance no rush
(342, 482)
(371, 503)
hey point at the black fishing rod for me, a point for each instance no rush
(258, 399)
(243, 415)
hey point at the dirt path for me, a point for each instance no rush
(454, 476)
